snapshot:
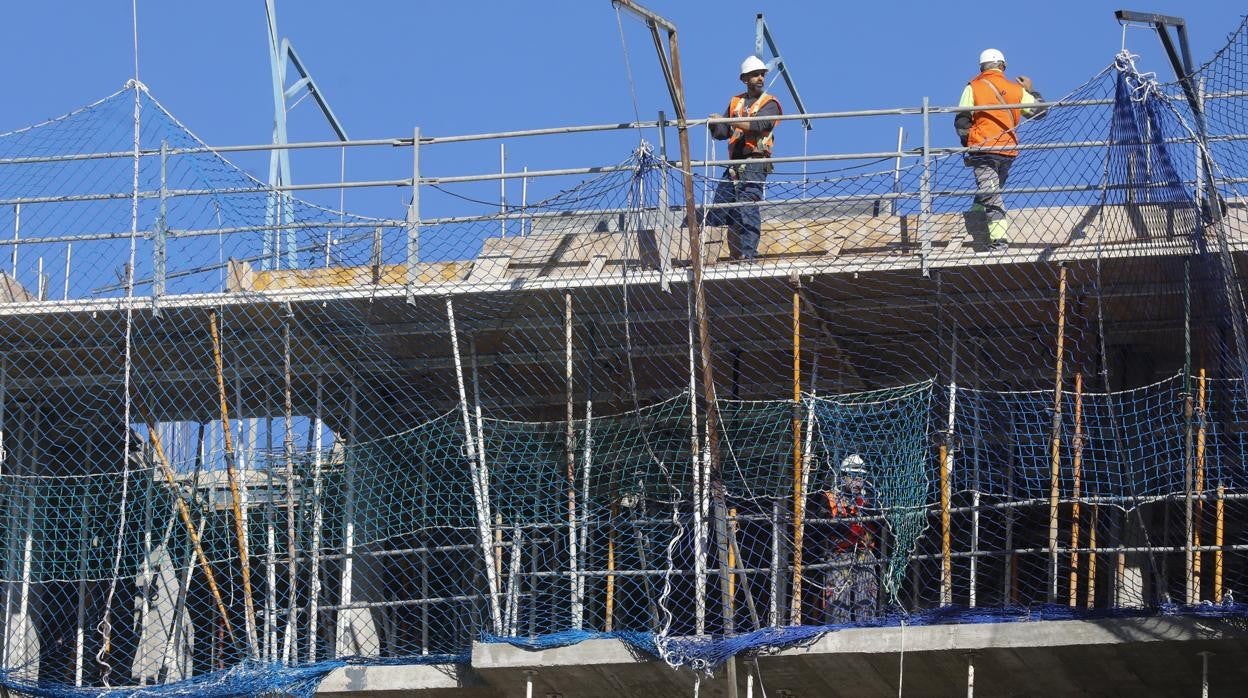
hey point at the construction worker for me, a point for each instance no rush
(850, 588)
(994, 129)
(747, 140)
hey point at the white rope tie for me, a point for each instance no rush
(1143, 85)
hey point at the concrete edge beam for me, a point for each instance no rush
(927, 638)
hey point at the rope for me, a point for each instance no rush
(628, 69)
(105, 626)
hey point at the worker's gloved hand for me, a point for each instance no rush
(1025, 82)
(714, 116)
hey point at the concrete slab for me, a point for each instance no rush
(430, 680)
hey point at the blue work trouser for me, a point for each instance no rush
(741, 183)
(991, 170)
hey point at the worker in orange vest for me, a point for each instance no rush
(851, 589)
(996, 130)
(747, 140)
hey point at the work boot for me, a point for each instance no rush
(998, 231)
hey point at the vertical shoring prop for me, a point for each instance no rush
(946, 472)
(795, 614)
(1090, 584)
(574, 555)
(28, 542)
(240, 530)
(946, 543)
(81, 620)
(808, 432)
(290, 647)
(496, 551)
(700, 506)
(609, 612)
(1189, 445)
(976, 476)
(1055, 451)
(1219, 514)
(80, 627)
(318, 484)
(269, 645)
(480, 491)
(1200, 484)
(1077, 463)
(587, 453)
(344, 621)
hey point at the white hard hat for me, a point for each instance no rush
(752, 64)
(853, 464)
(991, 55)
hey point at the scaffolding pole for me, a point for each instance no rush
(798, 492)
(1055, 451)
(480, 482)
(1077, 459)
(318, 486)
(1200, 485)
(574, 555)
(240, 530)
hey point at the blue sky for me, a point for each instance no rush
(476, 66)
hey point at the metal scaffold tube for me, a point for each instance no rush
(479, 478)
(240, 523)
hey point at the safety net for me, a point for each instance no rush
(247, 438)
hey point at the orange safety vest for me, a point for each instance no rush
(857, 535)
(750, 144)
(996, 127)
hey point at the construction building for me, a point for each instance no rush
(557, 449)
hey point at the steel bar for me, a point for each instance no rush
(1218, 547)
(240, 529)
(1056, 434)
(798, 474)
(1077, 448)
(1200, 483)
(577, 604)
(1090, 590)
(480, 483)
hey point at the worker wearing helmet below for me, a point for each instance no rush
(850, 588)
(997, 131)
(747, 140)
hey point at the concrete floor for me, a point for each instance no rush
(1118, 657)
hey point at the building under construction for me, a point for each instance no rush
(572, 446)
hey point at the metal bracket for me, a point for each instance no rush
(1181, 62)
(281, 55)
(763, 37)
